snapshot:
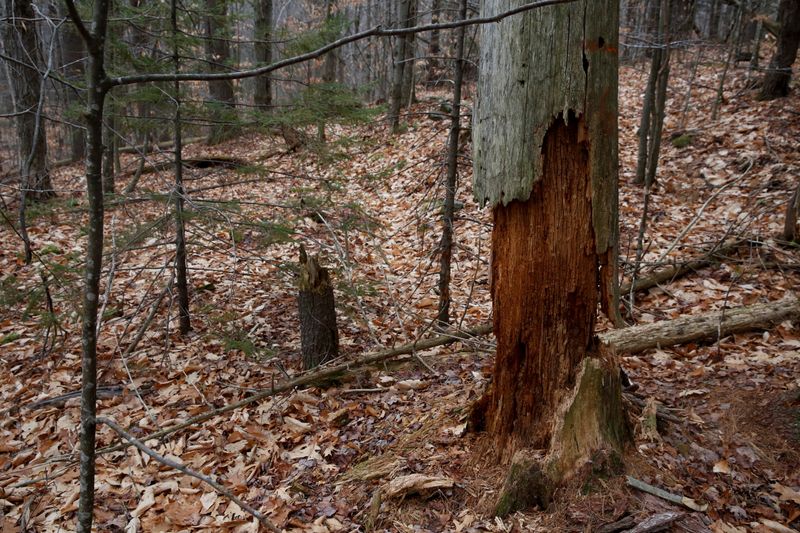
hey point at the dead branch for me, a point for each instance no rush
(669, 273)
(189, 472)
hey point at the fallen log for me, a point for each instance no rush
(704, 327)
(672, 272)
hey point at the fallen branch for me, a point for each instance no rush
(670, 273)
(707, 326)
(189, 472)
(318, 375)
(664, 495)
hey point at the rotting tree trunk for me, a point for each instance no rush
(319, 336)
(448, 215)
(776, 81)
(546, 161)
(263, 50)
(21, 42)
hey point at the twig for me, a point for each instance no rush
(189, 472)
(696, 218)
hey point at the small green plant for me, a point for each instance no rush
(682, 141)
(10, 294)
(11, 337)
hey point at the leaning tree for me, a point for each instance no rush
(545, 134)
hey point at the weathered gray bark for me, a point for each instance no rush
(545, 145)
(21, 42)
(708, 326)
(263, 49)
(776, 81)
(446, 244)
(508, 138)
(319, 336)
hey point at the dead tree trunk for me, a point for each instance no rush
(319, 336)
(546, 160)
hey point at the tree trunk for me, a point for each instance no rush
(546, 160)
(434, 46)
(223, 98)
(409, 59)
(396, 102)
(654, 107)
(73, 53)
(263, 49)
(776, 81)
(181, 276)
(21, 43)
(446, 245)
(96, 94)
(319, 336)
(329, 65)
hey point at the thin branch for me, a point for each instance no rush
(189, 472)
(377, 31)
(76, 19)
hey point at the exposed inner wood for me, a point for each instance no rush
(545, 292)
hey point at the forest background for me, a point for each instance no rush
(361, 153)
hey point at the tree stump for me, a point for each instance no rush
(319, 337)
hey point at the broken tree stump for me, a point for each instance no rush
(319, 337)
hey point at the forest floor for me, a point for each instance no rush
(369, 203)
